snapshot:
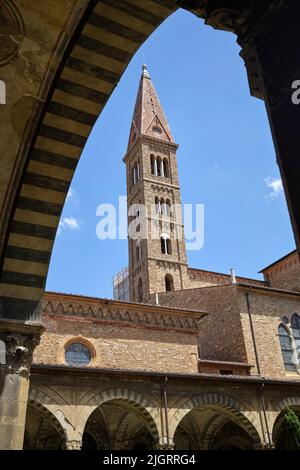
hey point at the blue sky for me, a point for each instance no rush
(226, 161)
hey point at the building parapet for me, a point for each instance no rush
(127, 314)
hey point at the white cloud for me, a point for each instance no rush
(276, 187)
(68, 223)
(70, 194)
(72, 197)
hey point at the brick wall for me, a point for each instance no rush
(223, 368)
(220, 335)
(285, 274)
(119, 335)
(225, 333)
(268, 308)
(203, 278)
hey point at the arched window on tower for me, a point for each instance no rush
(286, 348)
(166, 168)
(159, 166)
(165, 243)
(168, 207)
(153, 165)
(140, 290)
(157, 205)
(138, 249)
(133, 177)
(169, 283)
(295, 324)
(162, 206)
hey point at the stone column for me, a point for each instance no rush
(19, 340)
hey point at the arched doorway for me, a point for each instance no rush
(42, 429)
(119, 424)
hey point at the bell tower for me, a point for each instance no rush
(157, 253)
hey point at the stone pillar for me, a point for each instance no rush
(19, 340)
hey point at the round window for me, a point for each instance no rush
(77, 354)
(157, 130)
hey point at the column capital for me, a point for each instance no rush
(20, 340)
(265, 446)
(164, 445)
(73, 445)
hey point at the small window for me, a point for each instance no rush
(165, 244)
(133, 175)
(169, 283)
(157, 130)
(77, 354)
(140, 291)
(166, 167)
(153, 165)
(138, 251)
(157, 205)
(168, 207)
(159, 166)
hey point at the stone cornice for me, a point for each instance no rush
(155, 181)
(267, 290)
(149, 140)
(247, 380)
(122, 313)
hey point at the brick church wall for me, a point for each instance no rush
(140, 345)
(285, 274)
(268, 308)
(220, 332)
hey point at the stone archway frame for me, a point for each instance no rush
(281, 405)
(51, 417)
(246, 418)
(148, 411)
(105, 36)
(62, 411)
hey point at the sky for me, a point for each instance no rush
(226, 162)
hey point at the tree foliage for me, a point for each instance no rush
(293, 424)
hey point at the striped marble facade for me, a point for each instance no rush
(108, 38)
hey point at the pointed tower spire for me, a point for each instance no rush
(148, 118)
